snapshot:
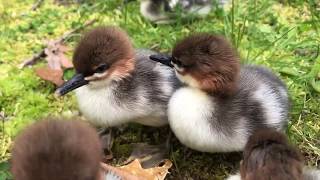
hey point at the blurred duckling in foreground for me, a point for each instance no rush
(221, 104)
(57, 149)
(268, 155)
(116, 84)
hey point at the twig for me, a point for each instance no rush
(35, 58)
(36, 5)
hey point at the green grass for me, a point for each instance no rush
(283, 36)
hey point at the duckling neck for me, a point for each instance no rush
(220, 85)
(225, 92)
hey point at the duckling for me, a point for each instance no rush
(221, 104)
(58, 149)
(115, 84)
(163, 11)
(54, 149)
(268, 155)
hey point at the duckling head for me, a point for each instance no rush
(204, 61)
(57, 149)
(268, 155)
(103, 55)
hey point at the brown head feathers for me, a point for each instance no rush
(56, 149)
(268, 155)
(210, 60)
(101, 49)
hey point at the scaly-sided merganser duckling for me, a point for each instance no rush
(221, 104)
(116, 85)
(268, 155)
(164, 11)
(57, 149)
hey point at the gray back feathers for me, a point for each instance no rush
(272, 111)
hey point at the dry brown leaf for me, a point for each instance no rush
(134, 171)
(56, 61)
(115, 171)
(55, 55)
(52, 75)
(148, 155)
(65, 62)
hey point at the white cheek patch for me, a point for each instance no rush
(96, 76)
(187, 79)
(180, 69)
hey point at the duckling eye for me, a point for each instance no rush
(176, 61)
(101, 68)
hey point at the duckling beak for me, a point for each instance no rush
(162, 58)
(75, 82)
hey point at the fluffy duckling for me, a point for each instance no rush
(163, 11)
(57, 149)
(221, 104)
(268, 155)
(116, 84)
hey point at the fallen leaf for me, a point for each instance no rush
(134, 171)
(52, 75)
(53, 60)
(55, 55)
(57, 60)
(148, 155)
(65, 62)
(110, 172)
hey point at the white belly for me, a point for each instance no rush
(190, 118)
(100, 107)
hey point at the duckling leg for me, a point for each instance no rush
(106, 138)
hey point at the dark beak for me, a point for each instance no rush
(75, 82)
(162, 58)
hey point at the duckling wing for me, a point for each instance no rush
(269, 91)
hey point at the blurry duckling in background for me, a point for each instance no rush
(268, 155)
(166, 11)
(221, 104)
